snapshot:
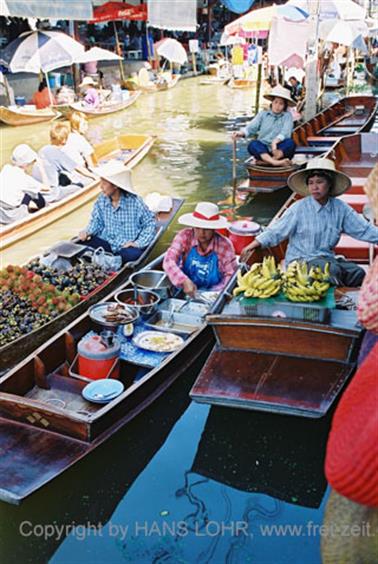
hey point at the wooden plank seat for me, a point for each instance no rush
(341, 131)
(358, 183)
(318, 139)
(353, 249)
(356, 201)
(311, 149)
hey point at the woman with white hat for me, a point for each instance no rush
(200, 258)
(121, 222)
(20, 192)
(91, 96)
(314, 224)
(273, 129)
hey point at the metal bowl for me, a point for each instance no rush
(97, 314)
(155, 280)
(146, 302)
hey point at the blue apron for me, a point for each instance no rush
(203, 271)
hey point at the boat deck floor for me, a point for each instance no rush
(63, 399)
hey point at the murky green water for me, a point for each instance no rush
(181, 483)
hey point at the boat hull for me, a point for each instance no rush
(19, 117)
(105, 110)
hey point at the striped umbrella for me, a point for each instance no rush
(38, 51)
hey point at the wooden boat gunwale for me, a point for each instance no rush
(105, 110)
(26, 117)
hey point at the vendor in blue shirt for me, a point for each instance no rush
(314, 224)
(121, 222)
(273, 128)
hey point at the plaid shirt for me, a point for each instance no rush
(131, 220)
(314, 230)
(182, 244)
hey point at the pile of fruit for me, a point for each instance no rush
(80, 280)
(262, 281)
(298, 283)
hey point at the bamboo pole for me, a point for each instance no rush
(258, 87)
(312, 62)
(119, 51)
(234, 179)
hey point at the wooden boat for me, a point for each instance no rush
(106, 109)
(283, 365)
(131, 148)
(11, 353)
(350, 115)
(169, 82)
(241, 83)
(214, 80)
(287, 468)
(41, 440)
(24, 116)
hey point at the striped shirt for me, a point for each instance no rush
(268, 126)
(314, 230)
(180, 247)
(131, 220)
(367, 309)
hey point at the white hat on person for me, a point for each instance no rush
(298, 180)
(23, 155)
(116, 173)
(87, 81)
(280, 92)
(205, 216)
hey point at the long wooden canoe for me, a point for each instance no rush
(11, 353)
(130, 148)
(154, 87)
(283, 365)
(22, 116)
(39, 440)
(106, 109)
(241, 83)
(350, 115)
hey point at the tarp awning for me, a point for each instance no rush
(173, 15)
(111, 11)
(52, 9)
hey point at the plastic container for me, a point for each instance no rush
(242, 233)
(20, 100)
(55, 80)
(96, 358)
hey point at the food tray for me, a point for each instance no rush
(158, 342)
(97, 314)
(280, 307)
(180, 323)
(67, 249)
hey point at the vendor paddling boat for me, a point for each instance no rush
(25, 115)
(286, 357)
(350, 115)
(106, 108)
(49, 418)
(130, 149)
(13, 351)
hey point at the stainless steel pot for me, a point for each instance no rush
(144, 301)
(155, 280)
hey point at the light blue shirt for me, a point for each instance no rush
(314, 230)
(268, 126)
(130, 221)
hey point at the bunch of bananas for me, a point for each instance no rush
(305, 285)
(262, 281)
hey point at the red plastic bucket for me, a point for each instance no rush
(242, 233)
(96, 359)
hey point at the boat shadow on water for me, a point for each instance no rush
(87, 495)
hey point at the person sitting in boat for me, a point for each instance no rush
(200, 258)
(43, 98)
(315, 223)
(121, 222)
(91, 96)
(295, 87)
(77, 147)
(63, 172)
(20, 192)
(273, 128)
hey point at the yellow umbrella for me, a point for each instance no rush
(261, 20)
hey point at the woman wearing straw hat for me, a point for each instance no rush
(91, 96)
(273, 129)
(200, 258)
(315, 223)
(121, 222)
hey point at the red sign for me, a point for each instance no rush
(119, 11)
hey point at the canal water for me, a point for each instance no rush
(182, 483)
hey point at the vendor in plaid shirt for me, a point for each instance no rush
(200, 258)
(121, 222)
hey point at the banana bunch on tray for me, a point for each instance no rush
(301, 284)
(263, 280)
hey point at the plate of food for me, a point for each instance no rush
(157, 341)
(112, 314)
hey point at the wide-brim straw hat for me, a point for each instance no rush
(205, 216)
(87, 81)
(349, 532)
(116, 173)
(371, 190)
(280, 92)
(341, 182)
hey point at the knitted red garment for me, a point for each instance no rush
(351, 464)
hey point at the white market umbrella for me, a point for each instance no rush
(341, 31)
(97, 54)
(331, 9)
(227, 40)
(38, 51)
(172, 50)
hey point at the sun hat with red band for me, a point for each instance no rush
(205, 216)
(351, 464)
